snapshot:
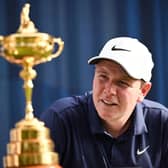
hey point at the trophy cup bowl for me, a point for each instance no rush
(37, 47)
(30, 145)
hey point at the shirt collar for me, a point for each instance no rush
(138, 123)
(139, 120)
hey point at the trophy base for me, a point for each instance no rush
(30, 146)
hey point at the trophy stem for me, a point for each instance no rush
(28, 74)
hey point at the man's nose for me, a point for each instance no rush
(110, 89)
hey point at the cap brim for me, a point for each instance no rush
(127, 66)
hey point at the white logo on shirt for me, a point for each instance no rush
(140, 152)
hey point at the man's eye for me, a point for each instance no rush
(102, 77)
(123, 84)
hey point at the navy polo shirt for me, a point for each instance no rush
(82, 142)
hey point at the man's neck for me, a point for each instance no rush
(117, 128)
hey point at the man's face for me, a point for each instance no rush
(115, 94)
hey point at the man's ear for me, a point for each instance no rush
(144, 90)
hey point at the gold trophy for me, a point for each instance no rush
(30, 145)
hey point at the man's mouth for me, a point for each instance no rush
(108, 102)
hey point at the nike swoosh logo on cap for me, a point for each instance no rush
(119, 49)
(140, 152)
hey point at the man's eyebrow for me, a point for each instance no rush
(100, 71)
(126, 77)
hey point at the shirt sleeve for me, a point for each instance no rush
(164, 160)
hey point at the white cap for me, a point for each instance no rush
(131, 54)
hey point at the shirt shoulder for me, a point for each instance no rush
(155, 111)
(72, 104)
(153, 104)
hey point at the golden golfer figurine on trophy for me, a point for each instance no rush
(30, 145)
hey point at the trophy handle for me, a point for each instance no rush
(1, 43)
(60, 44)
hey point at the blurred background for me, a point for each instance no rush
(84, 26)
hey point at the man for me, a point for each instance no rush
(112, 126)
